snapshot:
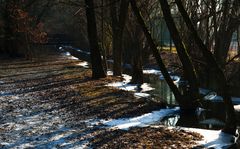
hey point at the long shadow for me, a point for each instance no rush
(37, 72)
(37, 79)
(46, 86)
(41, 65)
(109, 105)
(107, 136)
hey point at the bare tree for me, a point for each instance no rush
(96, 60)
(118, 24)
(212, 64)
(188, 68)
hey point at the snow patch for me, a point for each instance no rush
(139, 95)
(67, 53)
(214, 138)
(73, 58)
(237, 108)
(70, 56)
(152, 71)
(212, 96)
(76, 49)
(83, 64)
(109, 73)
(124, 85)
(139, 121)
(176, 79)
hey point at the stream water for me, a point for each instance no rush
(212, 116)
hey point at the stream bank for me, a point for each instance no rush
(51, 102)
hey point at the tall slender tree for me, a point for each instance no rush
(118, 24)
(156, 54)
(96, 60)
(188, 68)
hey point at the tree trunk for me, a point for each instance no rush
(137, 70)
(230, 126)
(9, 36)
(238, 39)
(118, 24)
(189, 70)
(96, 60)
(155, 52)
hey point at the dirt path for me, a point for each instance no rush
(50, 103)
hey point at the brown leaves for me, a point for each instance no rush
(149, 137)
(22, 22)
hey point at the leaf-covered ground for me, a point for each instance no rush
(48, 102)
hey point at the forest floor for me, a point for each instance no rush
(51, 102)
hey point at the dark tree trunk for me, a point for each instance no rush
(137, 71)
(118, 24)
(136, 54)
(230, 126)
(189, 71)
(155, 52)
(238, 39)
(96, 60)
(9, 37)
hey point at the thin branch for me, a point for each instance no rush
(232, 59)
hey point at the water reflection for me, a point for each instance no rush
(162, 91)
(171, 120)
(212, 118)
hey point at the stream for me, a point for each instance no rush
(209, 118)
(155, 88)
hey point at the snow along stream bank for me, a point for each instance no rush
(211, 138)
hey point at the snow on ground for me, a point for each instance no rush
(109, 73)
(124, 85)
(83, 64)
(152, 71)
(214, 138)
(212, 96)
(76, 49)
(237, 108)
(140, 91)
(70, 56)
(175, 78)
(139, 95)
(34, 125)
(140, 121)
(27, 128)
(211, 138)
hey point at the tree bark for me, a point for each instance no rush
(155, 52)
(118, 24)
(136, 54)
(96, 60)
(9, 36)
(230, 126)
(189, 70)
